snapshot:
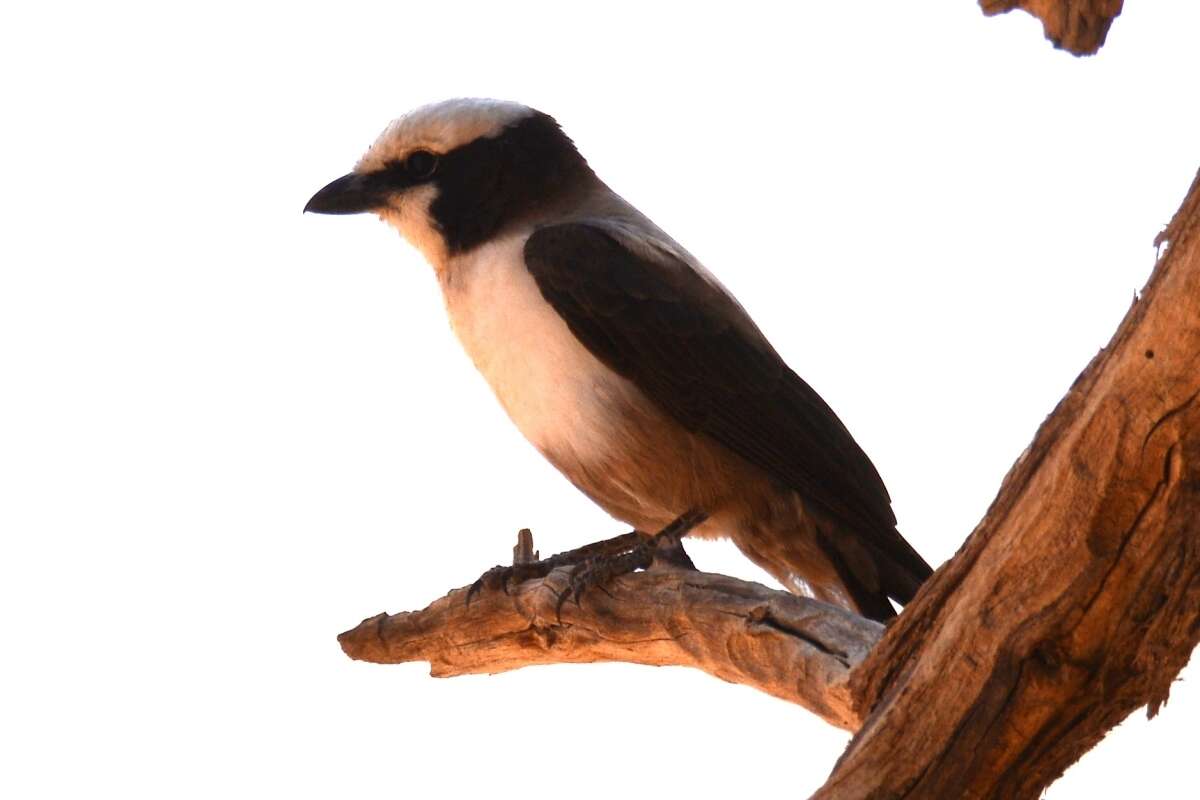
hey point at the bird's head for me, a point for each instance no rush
(456, 174)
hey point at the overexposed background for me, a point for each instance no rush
(230, 431)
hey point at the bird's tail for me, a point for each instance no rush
(819, 556)
(874, 572)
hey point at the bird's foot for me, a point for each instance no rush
(666, 546)
(503, 577)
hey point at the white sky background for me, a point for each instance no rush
(230, 431)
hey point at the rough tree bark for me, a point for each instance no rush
(1077, 598)
(1078, 26)
(1074, 602)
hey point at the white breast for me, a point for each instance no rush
(556, 392)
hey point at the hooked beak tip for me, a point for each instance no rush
(349, 194)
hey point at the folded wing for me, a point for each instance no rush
(683, 341)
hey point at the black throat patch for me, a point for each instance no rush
(490, 184)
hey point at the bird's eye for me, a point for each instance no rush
(420, 163)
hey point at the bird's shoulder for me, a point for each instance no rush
(625, 264)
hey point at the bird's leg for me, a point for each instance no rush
(665, 546)
(501, 577)
(668, 545)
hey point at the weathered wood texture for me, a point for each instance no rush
(797, 649)
(1077, 598)
(1078, 26)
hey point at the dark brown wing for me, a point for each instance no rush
(691, 349)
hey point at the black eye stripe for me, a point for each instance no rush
(494, 181)
(420, 164)
(414, 169)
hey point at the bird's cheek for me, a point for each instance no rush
(409, 214)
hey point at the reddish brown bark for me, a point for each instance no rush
(1078, 26)
(1077, 599)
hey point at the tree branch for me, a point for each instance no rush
(794, 648)
(1077, 598)
(1078, 26)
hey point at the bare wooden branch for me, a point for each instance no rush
(523, 552)
(794, 648)
(1078, 26)
(1077, 599)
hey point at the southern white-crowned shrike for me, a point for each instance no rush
(622, 359)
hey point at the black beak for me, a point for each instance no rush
(349, 194)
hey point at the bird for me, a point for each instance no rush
(622, 359)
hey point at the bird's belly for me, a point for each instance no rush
(595, 426)
(556, 392)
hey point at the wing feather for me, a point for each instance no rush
(695, 352)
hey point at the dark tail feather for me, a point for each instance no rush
(871, 576)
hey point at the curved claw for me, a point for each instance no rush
(501, 577)
(475, 588)
(496, 577)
